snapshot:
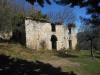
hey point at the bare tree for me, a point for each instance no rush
(91, 32)
(11, 19)
(5, 16)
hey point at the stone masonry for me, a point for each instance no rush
(44, 35)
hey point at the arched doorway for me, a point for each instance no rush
(54, 42)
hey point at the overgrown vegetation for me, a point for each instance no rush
(12, 17)
(5, 17)
(89, 36)
(38, 16)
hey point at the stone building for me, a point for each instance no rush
(50, 36)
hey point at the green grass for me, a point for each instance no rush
(17, 51)
(87, 65)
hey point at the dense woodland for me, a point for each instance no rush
(12, 17)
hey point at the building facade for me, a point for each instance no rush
(50, 36)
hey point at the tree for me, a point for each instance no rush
(40, 2)
(18, 29)
(62, 16)
(11, 19)
(93, 5)
(89, 32)
(5, 16)
(8, 13)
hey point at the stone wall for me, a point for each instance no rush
(38, 33)
(5, 35)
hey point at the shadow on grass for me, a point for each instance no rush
(98, 52)
(14, 66)
(97, 57)
(66, 55)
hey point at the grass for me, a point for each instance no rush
(89, 66)
(86, 66)
(17, 51)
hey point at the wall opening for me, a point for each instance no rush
(54, 42)
(69, 30)
(70, 44)
(53, 27)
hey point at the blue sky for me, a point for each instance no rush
(54, 7)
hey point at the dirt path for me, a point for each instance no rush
(61, 62)
(65, 65)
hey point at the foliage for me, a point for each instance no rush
(84, 43)
(19, 28)
(18, 21)
(5, 18)
(12, 20)
(40, 2)
(37, 15)
(9, 16)
(91, 34)
(12, 17)
(87, 32)
(93, 7)
(82, 3)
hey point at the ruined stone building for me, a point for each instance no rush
(50, 36)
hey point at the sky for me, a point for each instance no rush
(54, 7)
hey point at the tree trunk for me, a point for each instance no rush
(92, 55)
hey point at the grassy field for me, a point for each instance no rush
(78, 61)
(89, 66)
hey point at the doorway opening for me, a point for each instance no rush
(53, 27)
(70, 44)
(54, 42)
